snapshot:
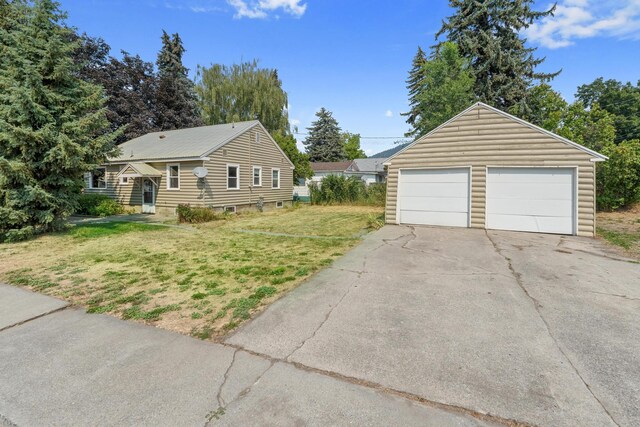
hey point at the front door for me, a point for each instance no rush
(148, 196)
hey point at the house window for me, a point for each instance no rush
(173, 177)
(98, 178)
(233, 177)
(257, 176)
(230, 209)
(279, 204)
(275, 178)
(124, 180)
(257, 138)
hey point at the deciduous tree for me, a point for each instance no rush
(351, 145)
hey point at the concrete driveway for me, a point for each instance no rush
(537, 329)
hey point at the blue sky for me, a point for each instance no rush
(350, 56)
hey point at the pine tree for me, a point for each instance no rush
(324, 143)
(414, 86)
(53, 126)
(176, 102)
(488, 35)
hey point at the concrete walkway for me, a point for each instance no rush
(60, 366)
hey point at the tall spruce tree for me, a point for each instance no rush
(324, 142)
(176, 102)
(53, 126)
(487, 33)
(414, 86)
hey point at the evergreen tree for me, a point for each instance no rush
(287, 142)
(351, 145)
(243, 92)
(414, 86)
(53, 126)
(487, 33)
(176, 102)
(446, 89)
(324, 143)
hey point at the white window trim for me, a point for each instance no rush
(106, 181)
(237, 176)
(253, 176)
(124, 180)
(272, 170)
(231, 209)
(169, 165)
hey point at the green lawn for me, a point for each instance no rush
(622, 229)
(202, 281)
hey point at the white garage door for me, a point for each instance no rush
(531, 199)
(434, 197)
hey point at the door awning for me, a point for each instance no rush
(139, 170)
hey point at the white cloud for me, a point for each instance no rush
(258, 9)
(388, 113)
(579, 19)
(294, 122)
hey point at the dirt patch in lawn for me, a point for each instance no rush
(203, 281)
(621, 229)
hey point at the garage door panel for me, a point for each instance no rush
(434, 189)
(435, 175)
(451, 219)
(434, 197)
(539, 224)
(435, 204)
(530, 190)
(531, 199)
(543, 175)
(534, 207)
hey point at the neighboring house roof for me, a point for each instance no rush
(369, 165)
(182, 143)
(597, 156)
(390, 152)
(330, 166)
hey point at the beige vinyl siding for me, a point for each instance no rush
(246, 153)
(191, 191)
(125, 194)
(482, 138)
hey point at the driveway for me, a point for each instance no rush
(537, 329)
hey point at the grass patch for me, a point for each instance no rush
(103, 229)
(619, 238)
(201, 283)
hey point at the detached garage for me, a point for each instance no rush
(485, 168)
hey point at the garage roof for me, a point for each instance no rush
(597, 156)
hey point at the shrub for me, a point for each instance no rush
(335, 189)
(98, 205)
(196, 214)
(618, 179)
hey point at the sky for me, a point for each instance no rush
(351, 56)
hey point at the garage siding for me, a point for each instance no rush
(482, 138)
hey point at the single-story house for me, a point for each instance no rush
(485, 168)
(368, 170)
(227, 167)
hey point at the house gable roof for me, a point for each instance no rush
(596, 156)
(331, 166)
(371, 165)
(181, 143)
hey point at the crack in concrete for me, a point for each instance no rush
(224, 380)
(55, 310)
(379, 388)
(6, 422)
(598, 254)
(518, 278)
(221, 409)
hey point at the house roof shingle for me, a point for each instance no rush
(181, 143)
(330, 166)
